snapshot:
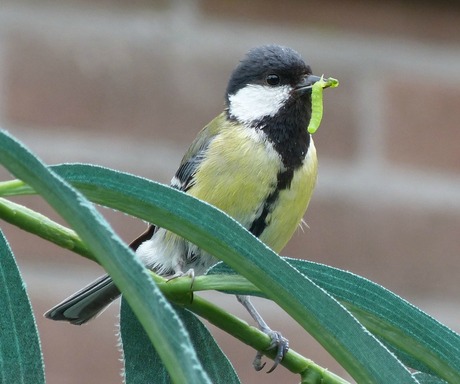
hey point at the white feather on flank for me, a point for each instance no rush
(162, 254)
(167, 254)
(255, 102)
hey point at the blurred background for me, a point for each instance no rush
(128, 84)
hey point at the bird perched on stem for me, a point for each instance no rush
(256, 161)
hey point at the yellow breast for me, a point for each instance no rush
(292, 204)
(241, 170)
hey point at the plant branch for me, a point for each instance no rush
(255, 338)
(40, 225)
(178, 291)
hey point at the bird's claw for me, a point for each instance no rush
(282, 346)
(257, 363)
(190, 273)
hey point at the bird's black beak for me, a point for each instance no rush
(307, 82)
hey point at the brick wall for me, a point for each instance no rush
(129, 84)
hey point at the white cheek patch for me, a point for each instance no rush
(255, 102)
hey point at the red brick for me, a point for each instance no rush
(409, 250)
(109, 84)
(337, 137)
(394, 18)
(421, 124)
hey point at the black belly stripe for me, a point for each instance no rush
(284, 180)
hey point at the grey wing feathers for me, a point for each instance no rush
(86, 303)
(183, 179)
(91, 300)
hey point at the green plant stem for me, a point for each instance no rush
(178, 290)
(155, 315)
(354, 348)
(15, 188)
(40, 225)
(249, 335)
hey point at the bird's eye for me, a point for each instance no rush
(272, 79)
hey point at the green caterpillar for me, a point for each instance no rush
(317, 101)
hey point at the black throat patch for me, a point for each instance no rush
(287, 131)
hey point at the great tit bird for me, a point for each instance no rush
(255, 161)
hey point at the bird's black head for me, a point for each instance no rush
(270, 65)
(271, 90)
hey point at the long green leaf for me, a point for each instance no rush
(178, 291)
(161, 323)
(417, 339)
(430, 345)
(143, 364)
(356, 349)
(21, 359)
(364, 298)
(408, 329)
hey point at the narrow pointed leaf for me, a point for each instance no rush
(418, 340)
(143, 364)
(160, 321)
(21, 359)
(366, 359)
(409, 330)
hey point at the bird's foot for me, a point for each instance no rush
(278, 342)
(190, 273)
